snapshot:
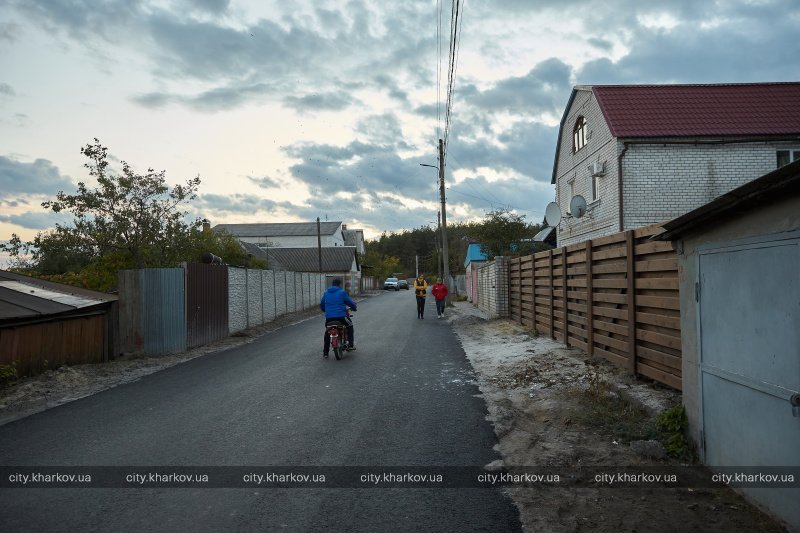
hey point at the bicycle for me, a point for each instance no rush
(338, 335)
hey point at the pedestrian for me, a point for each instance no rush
(439, 291)
(420, 289)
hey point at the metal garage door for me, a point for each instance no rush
(749, 316)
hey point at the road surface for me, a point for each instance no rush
(402, 399)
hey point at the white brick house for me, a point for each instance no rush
(664, 150)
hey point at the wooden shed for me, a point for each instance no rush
(45, 324)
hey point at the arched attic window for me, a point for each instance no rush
(579, 134)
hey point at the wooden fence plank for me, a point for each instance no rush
(673, 322)
(608, 298)
(657, 265)
(659, 375)
(659, 338)
(660, 301)
(657, 283)
(618, 267)
(672, 361)
(609, 327)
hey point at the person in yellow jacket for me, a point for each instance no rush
(420, 289)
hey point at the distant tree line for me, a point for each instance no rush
(501, 232)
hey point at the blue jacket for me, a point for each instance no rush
(335, 302)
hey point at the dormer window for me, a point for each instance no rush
(579, 134)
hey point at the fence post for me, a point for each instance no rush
(564, 293)
(533, 290)
(589, 301)
(630, 260)
(552, 296)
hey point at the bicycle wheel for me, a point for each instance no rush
(337, 352)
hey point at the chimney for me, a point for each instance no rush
(344, 227)
(206, 226)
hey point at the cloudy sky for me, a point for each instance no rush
(289, 110)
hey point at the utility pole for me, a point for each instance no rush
(445, 257)
(438, 246)
(416, 259)
(319, 245)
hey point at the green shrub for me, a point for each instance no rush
(672, 425)
(8, 374)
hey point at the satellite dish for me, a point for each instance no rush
(577, 206)
(552, 214)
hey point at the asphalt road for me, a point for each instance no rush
(401, 399)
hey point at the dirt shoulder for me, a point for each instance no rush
(539, 398)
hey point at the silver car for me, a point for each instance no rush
(391, 283)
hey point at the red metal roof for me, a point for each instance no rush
(700, 110)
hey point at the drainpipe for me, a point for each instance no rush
(619, 185)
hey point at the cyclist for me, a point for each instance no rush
(335, 302)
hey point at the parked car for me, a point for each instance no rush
(402, 284)
(391, 283)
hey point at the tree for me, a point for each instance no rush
(129, 220)
(134, 214)
(502, 233)
(379, 265)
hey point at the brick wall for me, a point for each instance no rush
(492, 287)
(661, 182)
(603, 218)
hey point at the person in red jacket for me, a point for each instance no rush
(439, 291)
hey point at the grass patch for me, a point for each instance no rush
(606, 410)
(615, 415)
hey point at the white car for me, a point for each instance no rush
(391, 283)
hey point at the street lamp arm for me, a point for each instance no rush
(424, 165)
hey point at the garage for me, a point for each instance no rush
(739, 261)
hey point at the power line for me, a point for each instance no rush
(439, 73)
(456, 23)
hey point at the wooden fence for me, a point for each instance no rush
(617, 298)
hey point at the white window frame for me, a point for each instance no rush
(594, 187)
(578, 134)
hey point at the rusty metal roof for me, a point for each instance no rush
(26, 297)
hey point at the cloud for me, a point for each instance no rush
(216, 7)
(266, 182)
(6, 89)
(9, 32)
(218, 99)
(38, 177)
(707, 48)
(37, 220)
(356, 168)
(332, 101)
(384, 130)
(541, 90)
(235, 203)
